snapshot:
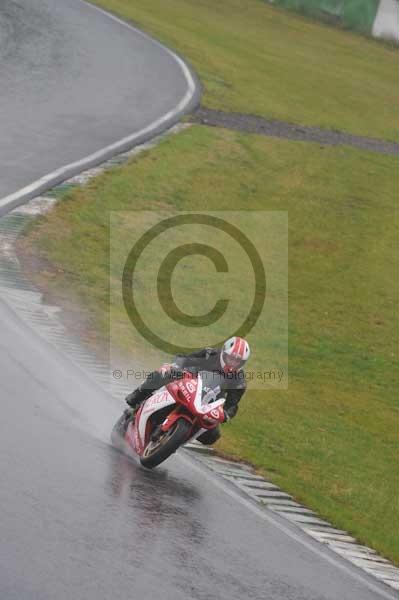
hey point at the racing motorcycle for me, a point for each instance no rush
(175, 414)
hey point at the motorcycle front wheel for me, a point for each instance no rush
(160, 449)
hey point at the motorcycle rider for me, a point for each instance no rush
(227, 361)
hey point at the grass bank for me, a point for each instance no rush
(259, 59)
(331, 439)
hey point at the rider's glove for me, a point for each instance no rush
(171, 371)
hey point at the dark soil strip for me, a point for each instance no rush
(281, 129)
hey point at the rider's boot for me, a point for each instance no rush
(137, 397)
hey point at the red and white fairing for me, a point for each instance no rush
(190, 403)
(137, 430)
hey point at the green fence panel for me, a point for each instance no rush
(356, 14)
(360, 14)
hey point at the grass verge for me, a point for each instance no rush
(259, 59)
(332, 438)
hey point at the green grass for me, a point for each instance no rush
(254, 58)
(332, 438)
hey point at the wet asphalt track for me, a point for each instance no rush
(77, 519)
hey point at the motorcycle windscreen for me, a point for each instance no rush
(212, 388)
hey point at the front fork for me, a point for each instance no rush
(171, 420)
(174, 416)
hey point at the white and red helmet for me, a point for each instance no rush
(234, 354)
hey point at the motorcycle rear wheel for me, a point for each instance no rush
(118, 432)
(156, 452)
